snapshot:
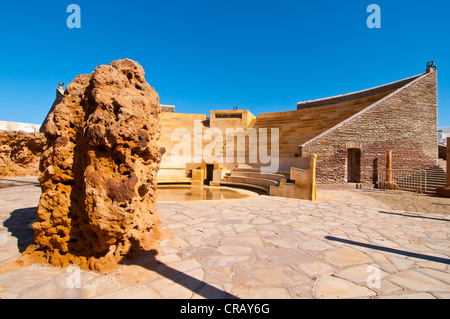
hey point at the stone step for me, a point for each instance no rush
(439, 171)
(248, 168)
(436, 183)
(436, 174)
(275, 177)
(442, 164)
(251, 180)
(263, 189)
(436, 177)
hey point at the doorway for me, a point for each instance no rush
(209, 173)
(354, 165)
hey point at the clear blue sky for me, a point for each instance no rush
(199, 55)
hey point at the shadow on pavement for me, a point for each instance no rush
(391, 250)
(415, 216)
(18, 224)
(146, 259)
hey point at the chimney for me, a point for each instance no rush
(431, 67)
(58, 99)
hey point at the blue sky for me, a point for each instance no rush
(201, 55)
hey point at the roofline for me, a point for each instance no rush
(358, 94)
(419, 77)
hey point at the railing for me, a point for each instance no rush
(413, 180)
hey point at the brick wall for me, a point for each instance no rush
(404, 122)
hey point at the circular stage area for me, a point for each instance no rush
(186, 193)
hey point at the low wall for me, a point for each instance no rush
(20, 153)
(14, 126)
(305, 182)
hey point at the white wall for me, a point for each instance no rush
(443, 135)
(14, 126)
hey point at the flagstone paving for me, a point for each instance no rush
(343, 246)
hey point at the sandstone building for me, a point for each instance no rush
(350, 134)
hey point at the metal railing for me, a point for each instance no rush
(413, 180)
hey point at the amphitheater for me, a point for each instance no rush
(348, 134)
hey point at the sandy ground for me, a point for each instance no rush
(397, 200)
(412, 202)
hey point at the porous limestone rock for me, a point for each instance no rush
(99, 169)
(20, 152)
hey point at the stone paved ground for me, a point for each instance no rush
(346, 245)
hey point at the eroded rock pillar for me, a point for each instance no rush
(99, 169)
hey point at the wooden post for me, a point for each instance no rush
(389, 167)
(389, 183)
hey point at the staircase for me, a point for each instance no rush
(436, 177)
(248, 177)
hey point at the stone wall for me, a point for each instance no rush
(15, 126)
(404, 122)
(20, 153)
(168, 108)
